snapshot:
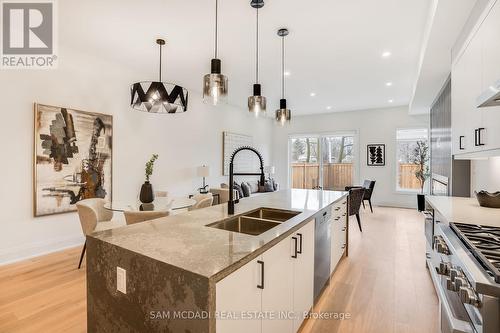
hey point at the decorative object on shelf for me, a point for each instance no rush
(270, 170)
(257, 102)
(420, 156)
(232, 141)
(147, 196)
(215, 83)
(203, 171)
(158, 96)
(375, 155)
(487, 199)
(283, 115)
(73, 158)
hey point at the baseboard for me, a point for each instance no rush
(32, 250)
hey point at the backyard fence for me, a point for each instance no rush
(336, 176)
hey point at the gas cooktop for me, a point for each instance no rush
(484, 244)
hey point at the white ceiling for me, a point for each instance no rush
(441, 33)
(334, 47)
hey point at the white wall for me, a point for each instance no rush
(183, 141)
(372, 126)
(485, 175)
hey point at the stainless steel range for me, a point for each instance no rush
(464, 262)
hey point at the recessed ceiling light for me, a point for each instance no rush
(386, 54)
(328, 107)
(287, 73)
(312, 94)
(388, 84)
(390, 101)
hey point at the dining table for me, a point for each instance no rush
(158, 205)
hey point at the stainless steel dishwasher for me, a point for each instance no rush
(322, 250)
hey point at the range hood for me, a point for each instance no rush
(491, 97)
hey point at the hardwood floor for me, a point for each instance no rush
(45, 294)
(383, 285)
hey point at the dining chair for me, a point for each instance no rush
(132, 217)
(202, 201)
(94, 217)
(368, 185)
(355, 199)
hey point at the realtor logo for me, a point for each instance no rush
(28, 34)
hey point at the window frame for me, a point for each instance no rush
(396, 159)
(356, 151)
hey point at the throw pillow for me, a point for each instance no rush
(268, 187)
(275, 185)
(237, 187)
(254, 186)
(246, 189)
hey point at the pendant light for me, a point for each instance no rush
(158, 96)
(283, 115)
(257, 102)
(215, 84)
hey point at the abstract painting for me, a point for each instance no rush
(375, 155)
(73, 158)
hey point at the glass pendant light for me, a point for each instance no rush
(283, 115)
(215, 84)
(257, 102)
(158, 96)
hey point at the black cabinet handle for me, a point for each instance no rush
(475, 138)
(479, 143)
(261, 285)
(300, 243)
(295, 247)
(461, 147)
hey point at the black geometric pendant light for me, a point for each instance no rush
(158, 96)
(283, 115)
(215, 83)
(257, 102)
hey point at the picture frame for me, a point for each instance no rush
(375, 154)
(72, 158)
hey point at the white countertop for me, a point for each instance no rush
(464, 210)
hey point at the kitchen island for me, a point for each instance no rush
(181, 273)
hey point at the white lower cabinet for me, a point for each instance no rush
(338, 233)
(279, 283)
(236, 294)
(303, 275)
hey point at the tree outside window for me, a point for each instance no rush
(412, 159)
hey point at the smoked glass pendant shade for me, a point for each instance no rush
(283, 115)
(257, 103)
(215, 85)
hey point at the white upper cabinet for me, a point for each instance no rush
(491, 73)
(477, 130)
(466, 87)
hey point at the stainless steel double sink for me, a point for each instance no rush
(256, 221)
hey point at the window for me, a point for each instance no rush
(412, 159)
(322, 161)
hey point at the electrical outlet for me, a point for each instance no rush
(121, 280)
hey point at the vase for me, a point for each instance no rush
(146, 195)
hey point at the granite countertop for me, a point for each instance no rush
(465, 210)
(184, 241)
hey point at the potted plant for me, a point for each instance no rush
(420, 157)
(146, 195)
